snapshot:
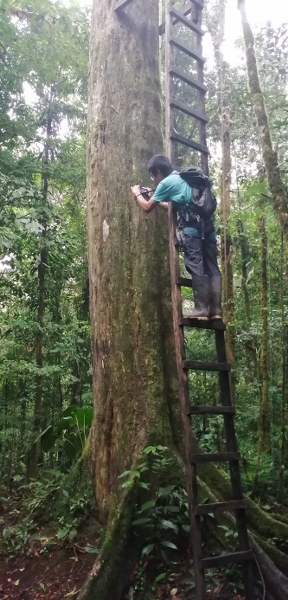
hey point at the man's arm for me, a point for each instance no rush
(146, 205)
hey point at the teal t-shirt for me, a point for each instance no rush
(173, 188)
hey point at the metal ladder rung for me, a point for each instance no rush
(121, 4)
(199, 365)
(187, 79)
(205, 509)
(184, 281)
(188, 142)
(226, 559)
(189, 111)
(215, 325)
(182, 18)
(203, 409)
(187, 51)
(214, 457)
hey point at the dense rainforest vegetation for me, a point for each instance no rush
(52, 468)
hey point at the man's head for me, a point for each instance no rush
(159, 167)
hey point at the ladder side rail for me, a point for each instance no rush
(178, 332)
(197, 12)
(234, 468)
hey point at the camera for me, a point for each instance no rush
(145, 191)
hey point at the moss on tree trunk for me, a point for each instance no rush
(133, 365)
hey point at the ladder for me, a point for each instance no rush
(189, 17)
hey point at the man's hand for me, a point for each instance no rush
(147, 204)
(136, 190)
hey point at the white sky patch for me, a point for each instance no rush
(259, 12)
(30, 95)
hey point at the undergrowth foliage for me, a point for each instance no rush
(45, 511)
(161, 520)
(162, 535)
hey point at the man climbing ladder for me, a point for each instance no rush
(197, 235)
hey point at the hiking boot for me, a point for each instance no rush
(215, 309)
(200, 286)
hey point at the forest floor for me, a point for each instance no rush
(54, 574)
(34, 563)
(38, 566)
(60, 573)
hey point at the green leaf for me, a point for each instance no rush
(160, 577)
(147, 549)
(144, 486)
(172, 509)
(147, 505)
(91, 549)
(165, 491)
(168, 525)
(62, 533)
(169, 545)
(142, 521)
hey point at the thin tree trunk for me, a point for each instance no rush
(270, 157)
(264, 421)
(244, 249)
(216, 24)
(284, 327)
(34, 453)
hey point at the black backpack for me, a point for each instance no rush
(203, 202)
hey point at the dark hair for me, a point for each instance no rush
(161, 163)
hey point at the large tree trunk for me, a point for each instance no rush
(133, 372)
(270, 158)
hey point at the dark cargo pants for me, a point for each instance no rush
(200, 255)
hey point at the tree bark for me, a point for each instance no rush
(133, 365)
